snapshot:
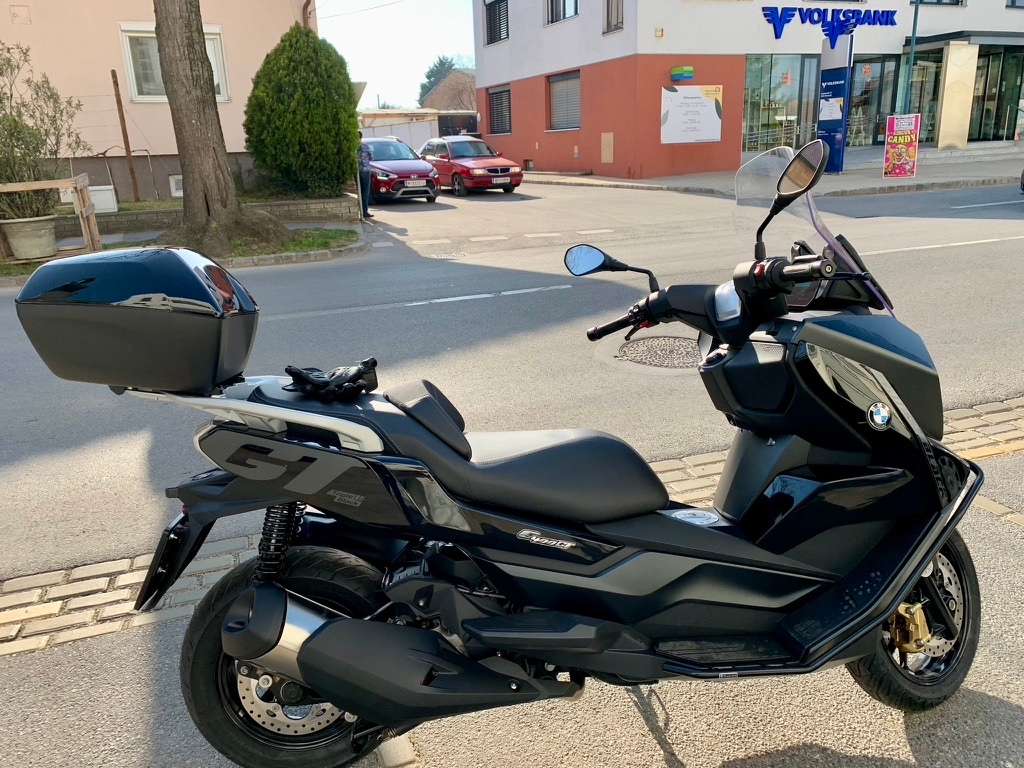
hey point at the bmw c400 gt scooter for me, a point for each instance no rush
(409, 570)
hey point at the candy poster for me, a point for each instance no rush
(902, 136)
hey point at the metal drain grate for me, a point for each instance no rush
(662, 352)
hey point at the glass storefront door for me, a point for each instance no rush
(872, 99)
(997, 90)
(779, 101)
(924, 91)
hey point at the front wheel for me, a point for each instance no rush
(917, 666)
(459, 186)
(508, 189)
(243, 721)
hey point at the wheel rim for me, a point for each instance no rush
(940, 655)
(244, 713)
(458, 185)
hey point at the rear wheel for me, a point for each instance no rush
(243, 720)
(913, 673)
(458, 186)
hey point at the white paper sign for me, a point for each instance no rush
(691, 114)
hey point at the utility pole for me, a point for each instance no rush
(124, 137)
(910, 60)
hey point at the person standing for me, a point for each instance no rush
(364, 177)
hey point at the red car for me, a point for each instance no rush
(397, 171)
(464, 163)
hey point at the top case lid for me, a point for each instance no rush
(174, 279)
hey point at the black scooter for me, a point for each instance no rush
(409, 570)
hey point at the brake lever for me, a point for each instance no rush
(637, 327)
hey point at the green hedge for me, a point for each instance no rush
(300, 120)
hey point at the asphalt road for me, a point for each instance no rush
(115, 701)
(471, 294)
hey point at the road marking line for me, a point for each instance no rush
(593, 231)
(440, 241)
(544, 234)
(964, 244)
(471, 297)
(488, 238)
(987, 205)
(384, 244)
(401, 304)
(535, 290)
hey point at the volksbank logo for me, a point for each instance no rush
(834, 22)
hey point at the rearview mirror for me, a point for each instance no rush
(803, 171)
(583, 259)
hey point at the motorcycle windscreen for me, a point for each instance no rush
(756, 185)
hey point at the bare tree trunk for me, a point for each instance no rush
(212, 214)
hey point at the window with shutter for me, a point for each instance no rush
(613, 15)
(562, 9)
(564, 91)
(143, 63)
(496, 20)
(500, 110)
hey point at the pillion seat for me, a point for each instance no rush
(575, 475)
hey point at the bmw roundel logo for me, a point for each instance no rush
(879, 416)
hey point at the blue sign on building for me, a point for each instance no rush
(834, 22)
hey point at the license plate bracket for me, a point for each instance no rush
(179, 544)
(496, 180)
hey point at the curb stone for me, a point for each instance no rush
(46, 609)
(397, 753)
(266, 260)
(922, 186)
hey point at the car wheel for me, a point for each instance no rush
(508, 190)
(459, 186)
(432, 198)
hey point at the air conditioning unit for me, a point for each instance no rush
(177, 189)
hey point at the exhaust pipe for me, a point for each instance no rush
(267, 626)
(388, 674)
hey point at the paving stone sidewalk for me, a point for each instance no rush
(43, 610)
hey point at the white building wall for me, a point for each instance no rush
(536, 48)
(738, 26)
(702, 27)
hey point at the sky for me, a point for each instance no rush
(389, 44)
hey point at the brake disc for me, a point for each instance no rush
(951, 589)
(261, 706)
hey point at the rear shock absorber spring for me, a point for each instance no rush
(280, 525)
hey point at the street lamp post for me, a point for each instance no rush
(910, 59)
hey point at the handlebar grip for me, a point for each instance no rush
(813, 270)
(600, 331)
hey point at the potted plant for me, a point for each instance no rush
(36, 131)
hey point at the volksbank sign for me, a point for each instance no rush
(834, 22)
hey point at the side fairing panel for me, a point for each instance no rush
(330, 481)
(883, 343)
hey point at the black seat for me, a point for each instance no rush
(576, 475)
(570, 474)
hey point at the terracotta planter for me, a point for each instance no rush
(31, 238)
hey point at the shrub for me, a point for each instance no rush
(300, 120)
(37, 129)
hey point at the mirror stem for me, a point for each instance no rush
(651, 279)
(760, 252)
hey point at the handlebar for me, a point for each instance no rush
(769, 279)
(779, 275)
(628, 320)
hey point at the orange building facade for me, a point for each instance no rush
(620, 119)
